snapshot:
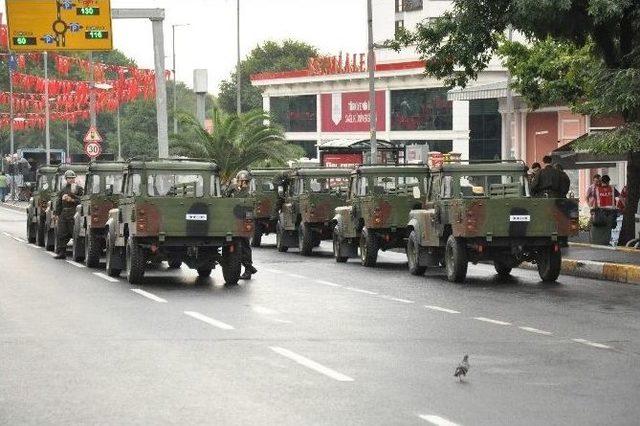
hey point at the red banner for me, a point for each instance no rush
(349, 112)
(345, 160)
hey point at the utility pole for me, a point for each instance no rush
(175, 88)
(92, 93)
(46, 108)
(11, 113)
(371, 64)
(509, 148)
(238, 79)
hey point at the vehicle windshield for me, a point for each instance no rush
(80, 181)
(175, 185)
(485, 185)
(325, 185)
(262, 184)
(397, 184)
(44, 182)
(99, 183)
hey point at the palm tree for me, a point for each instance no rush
(237, 142)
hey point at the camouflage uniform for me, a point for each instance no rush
(65, 210)
(236, 191)
(548, 181)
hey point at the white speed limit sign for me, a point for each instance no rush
(93, 149)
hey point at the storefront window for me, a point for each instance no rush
(295, 113)
(485, 124)
(421, 109)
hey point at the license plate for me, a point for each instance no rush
(520, 218)
(198, 217)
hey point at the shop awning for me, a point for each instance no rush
(354, 145)
(570, 159)
(495, 90)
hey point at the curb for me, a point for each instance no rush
(616, 272)
(594, 246)
(22, 209)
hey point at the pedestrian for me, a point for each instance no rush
(65, 208)
(565, 181)
(4, 186)
(240, 189)
(591, 192)
(548, 182)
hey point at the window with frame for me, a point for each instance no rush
(134, 184)
(175, 185)
(93, 184)
(114, 181)
(44, 182)
(295, 113)
(421, 109)
(214, 184)
(363, 186)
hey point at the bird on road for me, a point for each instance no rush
(463, 368)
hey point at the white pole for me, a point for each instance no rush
(46, 108)
(11, 113)
(371, 64)
(175, 89)
(509, 151)
(238, 79)
(118, 133)
(68, 149)
(92, 92)
(161, 89)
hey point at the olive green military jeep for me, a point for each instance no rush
(377, 211)
(59, 182)
(101, 194)
(307, 212)
(173, 210)
(38, 205)
(264, 188)
(484, 212)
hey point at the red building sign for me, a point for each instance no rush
(349, 112)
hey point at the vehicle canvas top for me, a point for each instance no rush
(482, 167)
(324, 172)
(102, 191)
(47, 170)
(174, 164)
(107, 166)
(390, 170)
(264, 189)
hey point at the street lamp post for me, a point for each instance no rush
(371, 64)
(238, 80)
(175, 88)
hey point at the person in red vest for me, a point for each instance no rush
(605, 194)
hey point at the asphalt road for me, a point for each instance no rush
(309, 341)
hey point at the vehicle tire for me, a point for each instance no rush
(40, 233)
(174, 263)
(77, 249)
(231, 263)
(204, 272)
(256, 238)
(305, 239)
(110, 249)
(31, 230)
(502, 269)
(49, 238)
(368, 249)
(136, 262)
(279, 239)
(413, 255)
(456, 259)
(337, 243)
(549, 264)
(92, 249)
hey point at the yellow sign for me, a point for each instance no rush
(59, 25)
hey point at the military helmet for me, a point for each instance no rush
(243, 175)
(69, 174)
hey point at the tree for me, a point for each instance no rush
(269, 57)
(585, 53)
(237, 142)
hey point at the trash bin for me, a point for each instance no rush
(603, 221)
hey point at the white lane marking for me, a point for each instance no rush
(20, 240)
(535, 330)
(51, 253)
(149, 295)
(330, 284)
(106, 277)
(221, 325)
(311, 364)
(282, 321)
(273, 271)
(359, 290)
(6, 234)
(395, 299)
(592, 344)
(440, 309)
(76, 264)
(437, 420)
(492, 321)
(34, 246)
(300, 277)
(263, 310)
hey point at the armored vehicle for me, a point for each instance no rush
(38, 205)
(307, 212)
(377, 211)
(173, 210)
(101, 194)
(59, 182)
(264, 188)
(484, 212)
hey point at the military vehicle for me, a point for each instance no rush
(101, 194)
(377, 211)
(38, 205)
(484, 212)
(264, 188)
(307, 212)
(51, 221)
(173, 210)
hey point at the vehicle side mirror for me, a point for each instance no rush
(45, 186)
(280, 191)
(416, 193)
(109, 190)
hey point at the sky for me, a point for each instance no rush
(209, 41)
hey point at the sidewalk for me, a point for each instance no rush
(20, 206)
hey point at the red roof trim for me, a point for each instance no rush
(395, 66)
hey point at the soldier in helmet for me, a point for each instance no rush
(240, 189)
(65, 209)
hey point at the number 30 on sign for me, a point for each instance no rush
(93, 149)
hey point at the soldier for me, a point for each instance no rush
(240, 189)
(65, 209)
(565, 181)
(548, 182)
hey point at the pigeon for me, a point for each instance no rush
(463, 368)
